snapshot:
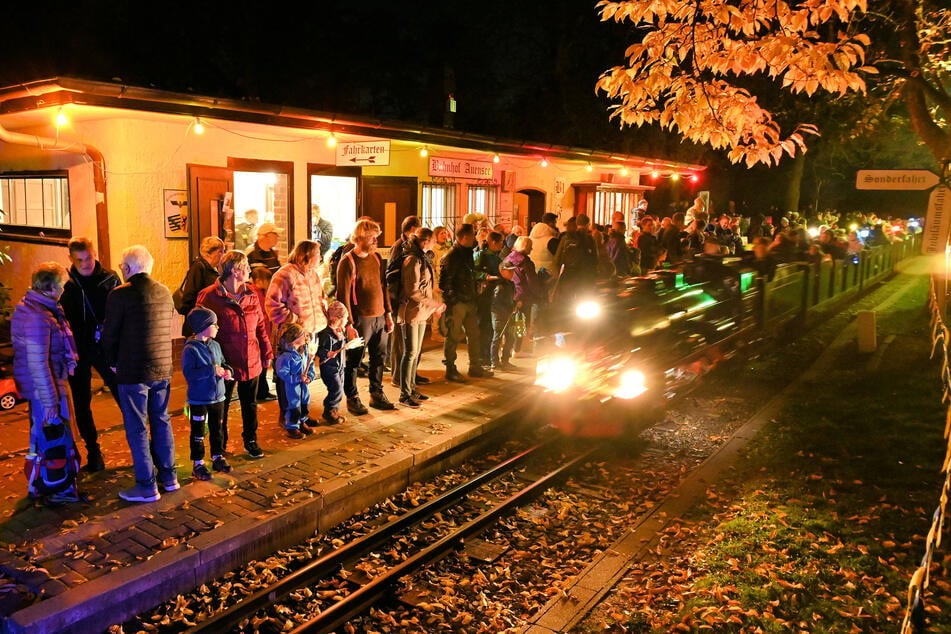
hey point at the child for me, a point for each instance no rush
(260, 280)
(296, 371)
(205, 373)
(331, 342)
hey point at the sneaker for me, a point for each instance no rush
(307, 431)
(309, 422)
(295, 433)
(505, 366)
(140, 493)
(63, 497)
(452, 374)
(333, 417)
(221, 465)
(419, 396)
(378, 400)
(253, 450)
(201, 472)
(266, 397)
(409, 401)
(422, 380)
(477, 372)
(171, 485)
(356, 406)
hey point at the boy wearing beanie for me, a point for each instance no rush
(205, 373)
(331, 342)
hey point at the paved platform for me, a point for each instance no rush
(98, 563)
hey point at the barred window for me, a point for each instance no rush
(35, 204)
(484, 200)
(438, 206)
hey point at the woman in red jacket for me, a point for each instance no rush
(243, 336)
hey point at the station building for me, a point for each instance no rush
(128, 165)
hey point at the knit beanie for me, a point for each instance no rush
(200, 318)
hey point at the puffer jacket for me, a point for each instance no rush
(199, 359)
(84, 316)
(528, 287)
(296, 296)
(44, 352)
(242, 329)
(137, 333)
(457, 278)
(417, 302)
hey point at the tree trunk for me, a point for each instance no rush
(795, 182)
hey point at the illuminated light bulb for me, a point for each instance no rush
(675, 177)
(199, 127)
(694, 178)
(544, 162)
(623, 171)
(61, 119)
(853, 227)
(331, 140)
(589, 167)
(424, 152)
(655, 174)
(496, 158)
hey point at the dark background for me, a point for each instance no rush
(522, 70)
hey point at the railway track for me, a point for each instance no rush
(382, 585)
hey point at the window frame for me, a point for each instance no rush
(425, 211)
(33, 233)
(491, 200)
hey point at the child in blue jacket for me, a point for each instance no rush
(205, 373)
(331, 342)
(293, 365)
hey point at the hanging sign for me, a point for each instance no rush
(935, 237)
(363, 153)
(460, 168)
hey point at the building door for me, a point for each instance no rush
(388, 200)
(530, 207)
(210, 206)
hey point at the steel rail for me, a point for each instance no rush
(334, 560)
(361, 599)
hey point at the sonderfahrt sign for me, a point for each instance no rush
(896, 179)
(363, 153)
(936, 224)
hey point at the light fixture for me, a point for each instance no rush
(331, 140)
(675, 177)
(199, 127)
(694, 178)
(589, 167)
(61, 119)
(655, 174)
(424, 152)
(623, 171)
(544, 162)
(496, 159)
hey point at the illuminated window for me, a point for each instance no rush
(599, 202)
(484, 200)
(35, 203)
(438, 206)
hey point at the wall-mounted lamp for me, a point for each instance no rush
(424, 152)
(544, 162)
(199, 127)
(61, 118)
(332, 140)
(496, 159)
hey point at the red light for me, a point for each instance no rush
(694, 178)
(896, 228)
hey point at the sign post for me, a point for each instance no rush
(908, 180)
(935, 239)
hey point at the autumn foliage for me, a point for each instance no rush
(692, 70)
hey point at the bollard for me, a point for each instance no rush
(867, 328)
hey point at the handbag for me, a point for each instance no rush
(177, 298)
(519, 327)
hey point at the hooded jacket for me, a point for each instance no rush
(242, 329)
(44, 353)
(418, 279)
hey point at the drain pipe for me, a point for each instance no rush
(98, 178)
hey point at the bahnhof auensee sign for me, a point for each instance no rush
(460, 168)
(896, 179)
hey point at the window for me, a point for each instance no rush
(439, 206)
(482, 200)
(35, 203)
(599, 202)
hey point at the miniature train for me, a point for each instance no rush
(620, 351)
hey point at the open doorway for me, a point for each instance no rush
(336, 199)
(258, 198)
(529, 207)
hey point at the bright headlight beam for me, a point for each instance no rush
(588, 310)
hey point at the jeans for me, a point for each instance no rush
(202, 415)
(503, 339)
(297, 397)
(373, 331)
(412, 347)
(462, 317)
(148, 401)
(80, 385)
(487, 332)
(247, 396)
(332, 374)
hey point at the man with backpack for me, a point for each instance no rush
(84, 303)
(576, 260)
(361, 289)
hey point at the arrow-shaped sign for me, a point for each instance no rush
(896, 179)
(368, 159)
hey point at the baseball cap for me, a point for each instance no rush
(269, 227)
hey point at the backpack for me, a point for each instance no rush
(55, 465)
(580, 254)
(394, 277)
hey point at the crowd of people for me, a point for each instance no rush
(339, 316)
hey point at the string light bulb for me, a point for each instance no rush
(623, 171)
(61, 119)
(424, 152)
(655, 174)
(544, 162)
(589, 167)
(694, 178)
(675, 177)
(496, 158)
(199, 126)
(332, 140)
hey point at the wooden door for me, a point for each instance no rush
(207, 186)
(388, 200)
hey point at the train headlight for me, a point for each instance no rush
(556, 374)
(632, 384)
(588, 309)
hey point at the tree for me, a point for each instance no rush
(702, 67)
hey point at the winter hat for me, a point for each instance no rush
(200, 318)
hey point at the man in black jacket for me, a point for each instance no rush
(457, 281)
(137, 341)
(84, 303)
